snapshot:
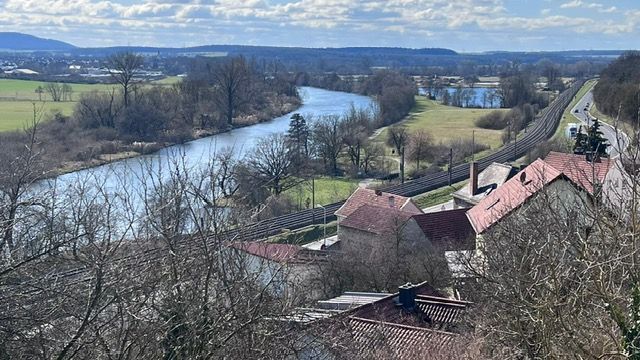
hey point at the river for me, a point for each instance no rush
(121, 175)
(479, 96)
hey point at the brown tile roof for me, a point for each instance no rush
(384, 327)
(449, 229)
(376, 220)
(511, 195)
(579, 170)
(369, 197)
(383, 340)
(387, 309)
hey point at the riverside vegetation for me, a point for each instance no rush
(130, 118)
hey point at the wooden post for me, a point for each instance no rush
(450, 163)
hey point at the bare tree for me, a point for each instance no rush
(232, 81)
(327, 140)
(55, 91)
(96, 109)
(123, 68)
(420, 144)
(270, 162)
(372, 154)
(67, 92)
(398, 138)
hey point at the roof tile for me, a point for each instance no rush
(511, 195)
(579, 170)
(450, 229)
(363, 196)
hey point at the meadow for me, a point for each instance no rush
(18, 98)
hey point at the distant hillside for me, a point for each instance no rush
(22, 42)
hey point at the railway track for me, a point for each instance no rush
(543, 128)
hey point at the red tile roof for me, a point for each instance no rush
(511, 195)
(450, 229)
(579, 170)
(270, 251)
(376, 220)
(369, 197)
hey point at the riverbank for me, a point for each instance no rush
(106, 152)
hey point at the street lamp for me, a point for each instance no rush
(324, 242)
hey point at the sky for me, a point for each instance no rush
(461, 25)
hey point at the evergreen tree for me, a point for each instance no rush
(596, 140)
(298, 139)
(581, 142)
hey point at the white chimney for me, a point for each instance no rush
(392, 201)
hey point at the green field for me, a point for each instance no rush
(438, 196)
(327, 190)
(19, 90)
(17, 115)
(446, 123)
(18, 96)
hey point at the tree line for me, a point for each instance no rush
(394, 92)
(217, 94)
(617, 92)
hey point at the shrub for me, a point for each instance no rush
(494, 120)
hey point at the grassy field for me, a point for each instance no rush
(18, 90)
(567, 117)
(305, 235)
(438, 196)
(328, 190)
(18, 96)
(17, 115)
(445, 123)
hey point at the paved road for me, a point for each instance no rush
(618, 140)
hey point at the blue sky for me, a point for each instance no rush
(462, 25)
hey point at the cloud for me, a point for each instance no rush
(311, 22)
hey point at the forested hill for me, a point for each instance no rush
(23, 42)
(618, 89)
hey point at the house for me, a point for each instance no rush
(591, 175)
(378, 229)
(417, 322)
(569, 192)
(371, 231)
(448, 230)
(289, 270)
(377, 198)
(481, 184)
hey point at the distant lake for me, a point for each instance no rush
(476, 95)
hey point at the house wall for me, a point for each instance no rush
(370, 245)
(411, 207)
(288, 280)
(618, 190)
(459, 203)
(561, 198)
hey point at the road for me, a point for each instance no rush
(618, 139)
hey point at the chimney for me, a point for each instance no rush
(378, 192)
(407, 297)
(392, 201)
(473, 178)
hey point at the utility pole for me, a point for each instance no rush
(313, 197)
(473, 145)
(450, 163)
(402, 164)
(515, 146)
